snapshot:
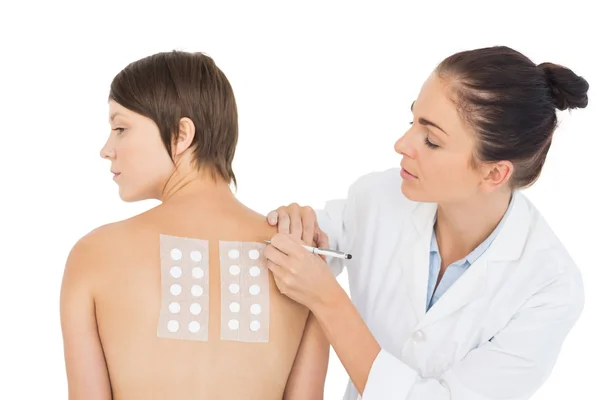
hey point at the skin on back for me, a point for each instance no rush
(119, 264)
(111, 291)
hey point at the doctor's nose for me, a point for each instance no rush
(404, 147)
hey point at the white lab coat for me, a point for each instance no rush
(495, 334)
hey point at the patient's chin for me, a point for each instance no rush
(130, 196)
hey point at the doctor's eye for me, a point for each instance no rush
(430, 145)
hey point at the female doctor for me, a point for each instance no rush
(460, 290)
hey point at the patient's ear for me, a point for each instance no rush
(184, 138)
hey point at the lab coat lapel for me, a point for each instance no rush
(476, 280)
(466, 289)
(415, 255)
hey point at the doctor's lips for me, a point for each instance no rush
(115, 174)
(406, 174)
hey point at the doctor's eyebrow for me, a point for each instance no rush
(424, 121)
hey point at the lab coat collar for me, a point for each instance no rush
(507, 246)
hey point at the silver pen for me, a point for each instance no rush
(325, 252)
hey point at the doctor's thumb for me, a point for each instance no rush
(321, 239)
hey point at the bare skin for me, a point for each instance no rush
(111, 296)
(113, 284)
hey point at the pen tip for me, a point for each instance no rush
(348, 256)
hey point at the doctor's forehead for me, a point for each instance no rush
(435, 103)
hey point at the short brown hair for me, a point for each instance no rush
(168, 86)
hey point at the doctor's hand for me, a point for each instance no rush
(300, 222)
(302, 276)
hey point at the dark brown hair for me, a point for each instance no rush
(511, 103)
(168, 86)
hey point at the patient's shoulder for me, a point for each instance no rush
(84, 257)
(94, 247)
(100, 236)
(111, 243)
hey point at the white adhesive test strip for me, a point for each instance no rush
(184, 288)
(244, 292)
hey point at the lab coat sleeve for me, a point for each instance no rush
(330, 220)
(333, 220)
(510, 366)
(338, 220)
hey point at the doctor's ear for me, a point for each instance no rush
(496, 174)
(183, 140)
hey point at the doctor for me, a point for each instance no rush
(460, 289)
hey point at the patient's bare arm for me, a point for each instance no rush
(307, 379)
(85, 365)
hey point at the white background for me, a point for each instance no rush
(323, 89)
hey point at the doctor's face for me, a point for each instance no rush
(437, 149)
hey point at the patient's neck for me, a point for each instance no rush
(196, 184)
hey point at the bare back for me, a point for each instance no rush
(127, 296)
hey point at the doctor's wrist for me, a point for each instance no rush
(331, 300)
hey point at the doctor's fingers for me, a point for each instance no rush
(286, 282)
(283, 219)
(296, 223)
(321, 238)
(278, 276)
(309, 226)
(275, 255)
(290, 220)
(272, 218)
(291, 247)
(278, 271)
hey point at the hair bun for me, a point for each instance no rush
(568, 90)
